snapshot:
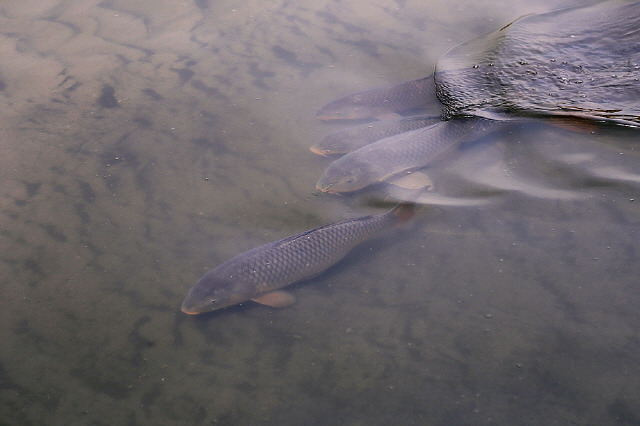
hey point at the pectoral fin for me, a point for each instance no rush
(276, 299)
(414, 180)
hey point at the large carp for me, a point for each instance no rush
(581, 62)
(258, 274)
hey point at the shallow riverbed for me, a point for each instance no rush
(143, 143)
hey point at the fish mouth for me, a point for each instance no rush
(318, 151)
(326, 188)
(189, 311)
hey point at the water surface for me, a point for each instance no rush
(146, 142)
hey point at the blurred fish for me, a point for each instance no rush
(407, 151)
(381, 101)
(258, 273)
(353, 138)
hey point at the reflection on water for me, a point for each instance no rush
(145, 143)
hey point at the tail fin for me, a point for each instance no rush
(404, 212)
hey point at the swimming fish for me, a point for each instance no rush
(381, 101)
(258, 274)
(407, 151)
(353, 138)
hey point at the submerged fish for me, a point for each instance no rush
(380, 101)
(407, 151)
(258, 273)
(577, 63)
(353, 138)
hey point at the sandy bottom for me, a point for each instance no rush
(143, 145)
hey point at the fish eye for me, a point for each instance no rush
(212, 301)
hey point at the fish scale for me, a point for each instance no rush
(399, 97)
(406, 151)
(274, 265)
(353, 138)
(305, 254)
(578, 63)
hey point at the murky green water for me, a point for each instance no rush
(143, 143)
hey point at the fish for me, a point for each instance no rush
(407, 151)
(353, 138)
(260, 273)
(380, 102)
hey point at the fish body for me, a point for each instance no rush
(258, 273)
(384, 100)
(354, 138)
(577, 63)
(407, 151)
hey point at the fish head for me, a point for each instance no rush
(217, 290)
(336, 143)
(338, 179)
(330, 146)
(320, 150)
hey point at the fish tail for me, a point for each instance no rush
(403, 212)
